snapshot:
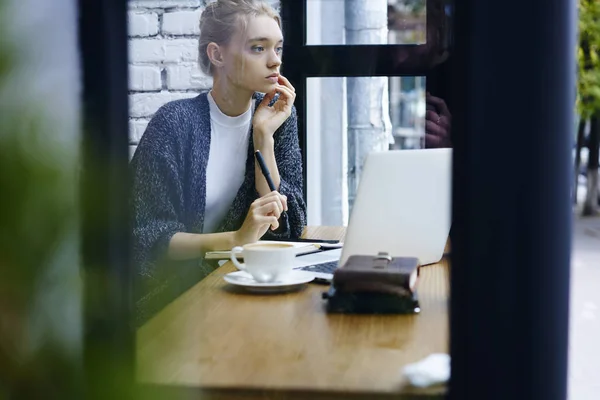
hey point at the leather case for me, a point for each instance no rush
(375, 284)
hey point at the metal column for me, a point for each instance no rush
(366, 23)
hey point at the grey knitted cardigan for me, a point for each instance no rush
(169, 194)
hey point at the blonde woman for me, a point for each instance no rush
(196, 184)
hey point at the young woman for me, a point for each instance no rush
(196, 184)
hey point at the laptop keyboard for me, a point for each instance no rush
(327, 268)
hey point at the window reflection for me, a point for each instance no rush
(366, 22)
(407, 111)
(435, 50)
(407, 21)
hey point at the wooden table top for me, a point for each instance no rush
(216, 336)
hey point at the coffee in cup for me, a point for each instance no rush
(266, 262)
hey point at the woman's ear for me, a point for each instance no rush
(215, 54)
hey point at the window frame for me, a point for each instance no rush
(303, 61)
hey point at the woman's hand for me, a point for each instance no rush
(264, 213)
(438, 122)
(267, 119)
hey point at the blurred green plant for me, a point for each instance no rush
(36, 217)
(588, 58)
(588, 99)
(416, 7)
(41, 353)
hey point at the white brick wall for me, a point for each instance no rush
(142, 23)
(136, 129)
(159, 51)
(181, 23)
(165, 3)
(144, 105)
(183, 76)
(163, 57)
(144, 78)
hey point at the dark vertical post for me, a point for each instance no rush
(578, 146)
(513, 121)
(293, 14)
(590, 206)
(108, 340)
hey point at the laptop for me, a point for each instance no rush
(402, 207)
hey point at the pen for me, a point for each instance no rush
(265, 172)
(325, 241)
(264, 169)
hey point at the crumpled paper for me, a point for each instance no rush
(432, 370)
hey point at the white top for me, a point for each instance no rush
(229, 139)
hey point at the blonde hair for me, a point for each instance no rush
(222, 18)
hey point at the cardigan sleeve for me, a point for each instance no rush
(157, 194)
(289, 164)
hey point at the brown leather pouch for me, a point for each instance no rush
(380, 273)
(375, 284)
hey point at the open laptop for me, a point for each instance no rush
(402, 207)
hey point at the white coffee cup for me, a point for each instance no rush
(266, 262)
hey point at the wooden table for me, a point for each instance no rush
(221, 340)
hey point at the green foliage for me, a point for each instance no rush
(588, 58)
(37, 204)
(40, 356)
(416, 7)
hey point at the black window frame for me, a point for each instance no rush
(303, 61)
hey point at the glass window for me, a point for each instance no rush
(334, 22)
(375, 113)
(407, 111)
(369, 94)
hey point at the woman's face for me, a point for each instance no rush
(253, 57)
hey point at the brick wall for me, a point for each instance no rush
(163, 57)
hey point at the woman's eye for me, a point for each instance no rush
(257, 48)
(279, 50)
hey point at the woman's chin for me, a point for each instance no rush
(265, 88)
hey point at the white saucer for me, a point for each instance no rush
(293, 281)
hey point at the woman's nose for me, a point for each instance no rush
(275, 60)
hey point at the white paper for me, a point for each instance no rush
(432, 370)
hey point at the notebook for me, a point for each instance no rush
(303, 248)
